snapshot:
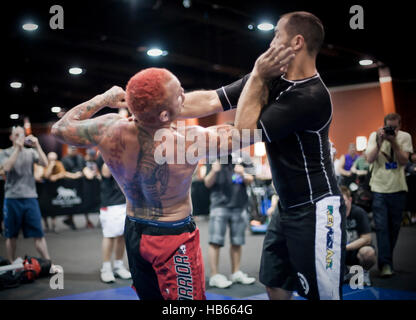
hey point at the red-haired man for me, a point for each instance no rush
(162, 241)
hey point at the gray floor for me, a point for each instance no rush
(79, 253)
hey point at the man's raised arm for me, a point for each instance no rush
(269, 65)
(76, 127)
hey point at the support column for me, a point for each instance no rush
(386, 86)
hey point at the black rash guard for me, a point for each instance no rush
(295, 125)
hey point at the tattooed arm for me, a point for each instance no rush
(220, 140)
(76, 127)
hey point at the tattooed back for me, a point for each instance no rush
(153, 191)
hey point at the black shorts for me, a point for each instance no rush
(304, 250)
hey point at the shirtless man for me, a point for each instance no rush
(162, 240)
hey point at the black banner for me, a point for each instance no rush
(68, 196)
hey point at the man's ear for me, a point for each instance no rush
(298, 42)
(164, 116)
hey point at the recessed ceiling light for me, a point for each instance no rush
(366, 62)
(250, 26)
(187, 3)
(14, 116)
(16, 84)
(75, 70)
(154, 52)
(265, 26)
(30, 26)
(56, 109)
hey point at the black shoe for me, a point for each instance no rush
(70, 223)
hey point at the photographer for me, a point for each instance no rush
(21, 207)
(388, 152)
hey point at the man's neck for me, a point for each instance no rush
(150, 128)
(301, 69)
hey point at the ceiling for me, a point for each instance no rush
(209, 44)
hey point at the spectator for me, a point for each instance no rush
(91, 172)
(2, 181)
(199, 193)
(388, 151)
(361, 169)
(359, 248)
(229, 200)
(345, 163)
(55, 169)
(21, 207)
(73, 163)
(53, 172)
(411, 178)
(360, 166)
(112, 217)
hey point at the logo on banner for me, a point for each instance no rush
(66, 197)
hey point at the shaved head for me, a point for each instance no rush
(308, 26)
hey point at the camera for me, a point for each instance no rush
(389, 130)
(28, 142)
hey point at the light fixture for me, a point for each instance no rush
(250, 26)
(56, 109)
(14, 116)
(156, 52)
(30, 26)
(361, 143)
(75, 70)
(187, 3)
(259, 149)
(366, 62)
(265, 26)
(16, 85)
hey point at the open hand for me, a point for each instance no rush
(273, 62)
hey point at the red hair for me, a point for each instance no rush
(146, 93)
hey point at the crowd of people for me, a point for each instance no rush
(382, 173)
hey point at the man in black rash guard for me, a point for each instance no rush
(304, 247)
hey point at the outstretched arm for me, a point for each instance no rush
(200, 104)
(220, 140)
(76, 127)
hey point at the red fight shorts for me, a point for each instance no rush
(165, 259)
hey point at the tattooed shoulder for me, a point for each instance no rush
(93, 131)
